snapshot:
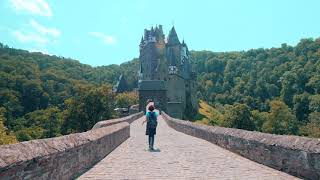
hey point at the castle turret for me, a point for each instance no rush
(173, 47)
(151, 50)
(173, 37)
(141, 43)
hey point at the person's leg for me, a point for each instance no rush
(152, 141)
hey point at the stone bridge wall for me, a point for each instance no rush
(298, 156)
(128, 119)
(63, 157)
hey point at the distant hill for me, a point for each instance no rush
(35, 86)
(273, 90)
(255, 78)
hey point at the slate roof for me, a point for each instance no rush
(173, 37)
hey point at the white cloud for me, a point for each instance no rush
(38, 7)
(29, 37)
(38, 35)
(107, 39)
(44, 30)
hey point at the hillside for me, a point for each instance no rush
(273, 90)
(46, 96)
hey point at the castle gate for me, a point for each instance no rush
(154, 90)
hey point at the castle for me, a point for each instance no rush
(165, 74)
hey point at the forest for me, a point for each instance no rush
(44, 96)
(274, 90)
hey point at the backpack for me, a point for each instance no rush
(152, 120)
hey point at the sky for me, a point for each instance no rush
(104, 32)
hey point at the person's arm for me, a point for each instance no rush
(145, 119)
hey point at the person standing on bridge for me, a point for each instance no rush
(151, 118)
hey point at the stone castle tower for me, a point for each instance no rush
(165, 74)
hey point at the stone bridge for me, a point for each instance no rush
(117, 149)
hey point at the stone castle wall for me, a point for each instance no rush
(63, 157)
(298, 156)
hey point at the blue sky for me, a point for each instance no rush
(103, 32)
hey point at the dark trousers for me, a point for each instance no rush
(151, 140)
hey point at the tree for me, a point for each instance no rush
(209, 115)
(312, 129)
(9, 99)
(301, 106)
(6, 137)
(124, 100)
(288, 87)
(314, 84)
(30, 133)
(280, 119)
(314, 105)
(31, 95)
(214, 65)
(259, 118)
(257, 76)
(35, 89)
(239, 116)
(87, 108)
(39, 124)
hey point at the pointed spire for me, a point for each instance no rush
(184, 44)
(141, 40)
(173, 37)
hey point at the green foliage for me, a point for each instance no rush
(314, 105)
(88, 107)
(258, 76)
(127, 99)
(272, 90)
(312, 128)
(233, 116)
(46, 96)
(27, 134)
(6, 137)
(301, 106)
(280, 119)
(238, 116)
(259, 118)
(209, 114)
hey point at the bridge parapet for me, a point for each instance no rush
(298, 156)
(63, 157)
(128, 119)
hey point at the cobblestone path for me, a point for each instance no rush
(179, 156)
